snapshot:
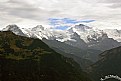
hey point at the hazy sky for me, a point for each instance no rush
(29, 13)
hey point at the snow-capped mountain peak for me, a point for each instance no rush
(11, 28)
(81, 36)
(15, 29)
(80, 28)
(38, 28)
(87, 33)
(114, 33)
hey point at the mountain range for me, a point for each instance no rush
(87, 41)
(80, 36)
(59, 55)
(29, 59)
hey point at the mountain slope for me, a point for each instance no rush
(88, 54)
(94, 38)
(26, 59)
(83, 41)
(15, 29)
(109, 63)
(84, 63)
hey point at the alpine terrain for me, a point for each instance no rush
(28, 59)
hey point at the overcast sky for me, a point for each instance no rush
(29, 13)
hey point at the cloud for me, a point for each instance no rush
(61, 27)
(64, 23)
(22, 9)
(109, 1)
(61, 23)
(39, 11)
(87, 21)
(115, 5)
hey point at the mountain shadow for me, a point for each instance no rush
(109, 64)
